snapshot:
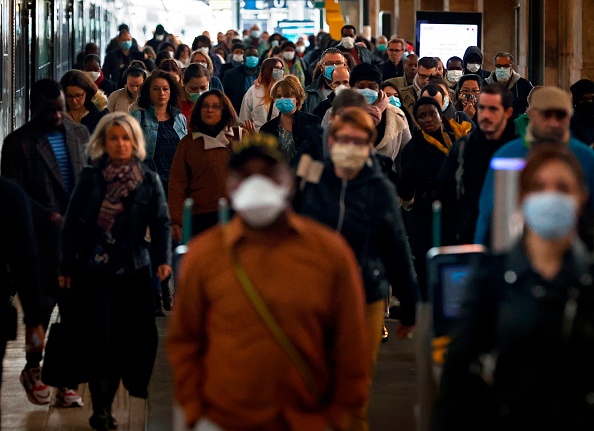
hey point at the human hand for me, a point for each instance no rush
(34, 339)
(403, 331)
(249, 127)
(164, 271)
(64, 281)
(469, 109)
(176, 232)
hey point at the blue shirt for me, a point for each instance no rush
(58, 144)
(518, 149)
(249, 81)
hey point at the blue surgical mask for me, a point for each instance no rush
(278, 74)
(251, 61)
(274, 43)
(503, 73)
(328, 72)
(446, 102)
(370, 95)
(285, 105)
(550, 215)
(126, 44)
(395, 101)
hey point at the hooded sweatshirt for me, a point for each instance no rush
(474, 50)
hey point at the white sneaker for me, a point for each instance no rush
(37, 392)
(68, 398)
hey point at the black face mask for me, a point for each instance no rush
(585, 108)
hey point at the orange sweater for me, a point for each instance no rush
(199, 171)
(228, 367)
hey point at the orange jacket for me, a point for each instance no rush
(228, 367)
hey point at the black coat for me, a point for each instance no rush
(420, 163)
(107, 86)
(390, 71)
(372, 225)
(543, 376)
(19, 266)
(307, 135)
(27, 157)
(147, 207)
(234, 85)
(460, 198)
(91, 120)
(582, 128)
(116, 62)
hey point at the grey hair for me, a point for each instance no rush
(96, 146)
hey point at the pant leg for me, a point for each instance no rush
(47, 304)
(374, 322)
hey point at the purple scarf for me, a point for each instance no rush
(121, 179)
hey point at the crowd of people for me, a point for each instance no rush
(331, 154)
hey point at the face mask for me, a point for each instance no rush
(289, 55)
(446, 102)
(171, 54)
(285, 105)
(274, 43)
(259, 200)
(255, 34)
(201, 63)
(503, 73)
(193, 96)
(586, 108)
(251, 61)
(278, 74)
(300, 49)
(328, 72)
(126, 45)
(370, 95)
(238, 58)
(349, 156)
(159, 37)
(340, 89)
(454, 75)
(550, 215)
(348, 42)
(94, 75)
(395, 101)
(381, 47)
(473, 67)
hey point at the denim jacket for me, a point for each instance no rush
(150, 125)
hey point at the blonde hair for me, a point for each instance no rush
(207, 58)
(96, 146)
(354, 117)
(290, 85)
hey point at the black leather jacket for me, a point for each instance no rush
(147, 207)
(365, 210)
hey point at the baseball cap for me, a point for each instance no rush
(552, 99)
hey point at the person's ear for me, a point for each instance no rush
(509, 111)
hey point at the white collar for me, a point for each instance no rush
(220, 141)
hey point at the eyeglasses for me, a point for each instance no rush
(75, 96)
(346, 139)
(333, 63)
(395, 50)
(475, 92)
(207, 107)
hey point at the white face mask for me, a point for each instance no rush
(349, 156)
(238, 58)
(289, 55)
(159, 37)
(454, 75)
(473, 67)
(202, 64)
(259, 200)
(348, 42)
(300, 49)
(203, 50)
(340, 89)
(94, 75)
(171, 54)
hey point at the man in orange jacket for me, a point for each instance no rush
(230, 371)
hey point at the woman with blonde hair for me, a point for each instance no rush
(298, 132)
(257, 105)
(202, 58)
(105, 261)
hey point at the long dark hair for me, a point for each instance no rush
(228, 119)
(144, 99)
